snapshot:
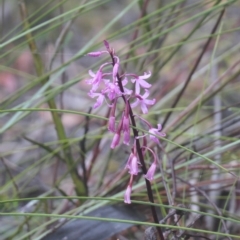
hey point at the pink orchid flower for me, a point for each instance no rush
(143, 101)
(100, 99)
(140, 81)
(156, 131)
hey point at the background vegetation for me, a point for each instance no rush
(56, 164)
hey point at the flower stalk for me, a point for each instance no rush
(111, 92)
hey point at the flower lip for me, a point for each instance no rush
(116, 140)
(156, 131)
(143, 101)
(132, 164)
(127, 195)
(140, 82)
(151, 171)
(111, 124)
(100, 98)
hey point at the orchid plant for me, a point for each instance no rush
(109, 87)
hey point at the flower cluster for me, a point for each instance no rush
(109, 87)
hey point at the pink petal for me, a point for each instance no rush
(127, 91)
(125, 123)
(106, 44)
(91, 73)
(155, 139)
(133, 168)
(146, 94)
(115, 141)
(129, 161)
(144, 108)
(146, 75)
(127, 195)
(149, 102)
(99, 101)
(151, 171)
(133, 80)
(144, 84)
(161, 134)
(111, 124)
(95, 54)
(126, 137)
(137, 88)
(124, 81)
(133, 105)
(115, 69)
